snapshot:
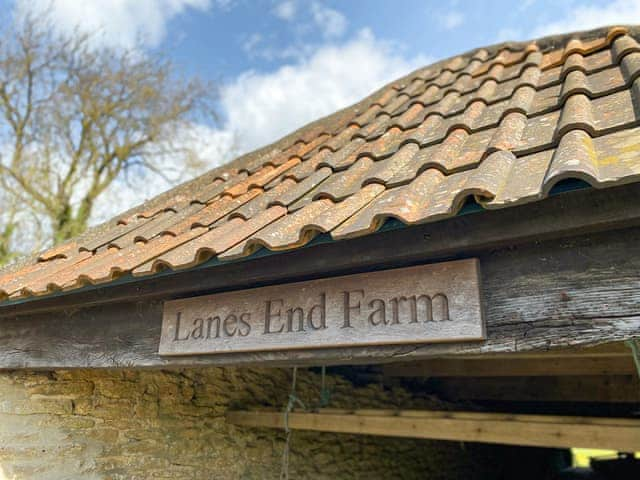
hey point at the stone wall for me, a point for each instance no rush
(150, 424)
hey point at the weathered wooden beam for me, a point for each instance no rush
(619, 349)
(592, 389)
(619, 434)
(544, 365)
(572, 213)
(564, 293)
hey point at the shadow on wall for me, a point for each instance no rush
(139, 424)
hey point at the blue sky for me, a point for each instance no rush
(283, 63)
(225, 40)
(263, 34)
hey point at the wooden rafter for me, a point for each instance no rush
(584, 388)
(543, 365)
(621, 434)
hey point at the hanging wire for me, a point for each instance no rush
(293, 400)
(325, 394)
(634, 345)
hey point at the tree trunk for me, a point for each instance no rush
(68, 225)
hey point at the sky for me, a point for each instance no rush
(283, 63)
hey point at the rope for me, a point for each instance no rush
(325, 396)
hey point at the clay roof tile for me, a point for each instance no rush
(500, 125)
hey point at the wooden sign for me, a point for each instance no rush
(424, 304)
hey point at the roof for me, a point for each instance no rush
(501, 124)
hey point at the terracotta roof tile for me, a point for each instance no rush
(147, 230)
(36, 280)
(298, 191)
(308, 166)
(344, 157)
(211, 213)
(501, 125)
(294, 229)
(260, 202)
(299, 228)
(431, 195)
(345, 183)
(212, 242)
(382, 171)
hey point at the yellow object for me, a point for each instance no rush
(581, 456)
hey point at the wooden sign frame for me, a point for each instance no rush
(424, 304)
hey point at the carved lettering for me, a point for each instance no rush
(395, 308)
(270, 315)
(245, 326)
(350, 308)
(230, 325)
(210, 322)
(379, 314)
(321, 311)
(427, 306)
(296, 314)
(430, 303)
(198, 328)
(441, 302)
(177, 338)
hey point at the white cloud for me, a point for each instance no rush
(251, 43)
(261, 107)
(331, 22)
(524, 5)
(508, 34)
(119, 23)
(285, 10)
(584, 17)
(451, 20)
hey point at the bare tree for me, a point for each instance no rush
(75, 117)
(8, 226)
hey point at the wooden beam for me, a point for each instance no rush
(618, 349)
(540, 297)
(619, 434)
(593, 389)
(544, 365)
